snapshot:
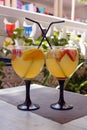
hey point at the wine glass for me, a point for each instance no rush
(27, 61)
(61, 61)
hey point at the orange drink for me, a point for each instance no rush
(62, 61)
(27, 61)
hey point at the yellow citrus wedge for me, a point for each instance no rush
(32, 54)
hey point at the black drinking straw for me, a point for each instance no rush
(44, 33)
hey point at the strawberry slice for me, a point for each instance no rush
(13, 56)
(72, 53)
(16, 52)
(60, 54)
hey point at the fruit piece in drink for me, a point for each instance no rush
(29, 63)
(62, 62)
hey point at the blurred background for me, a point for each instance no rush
(69, 9)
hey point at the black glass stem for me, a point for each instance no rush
(61, 104)
(28, 105)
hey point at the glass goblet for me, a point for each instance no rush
(27, 61)
(61, 61)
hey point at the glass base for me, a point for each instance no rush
(25, 107)
(57, 106)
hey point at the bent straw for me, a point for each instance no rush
(44, 34)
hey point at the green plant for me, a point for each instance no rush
(3, 53)
(2, 74)
(19, 35)
(82, 1)
(78, 83)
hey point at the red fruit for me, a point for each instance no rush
(72, 53)
(16, 52)
(13, 56)
(60, 54)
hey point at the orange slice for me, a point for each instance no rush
(32, 54)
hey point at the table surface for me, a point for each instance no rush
(13, 119)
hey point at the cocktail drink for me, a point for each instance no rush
(61, 62)
(27, 61)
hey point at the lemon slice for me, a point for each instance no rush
(32, 54)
